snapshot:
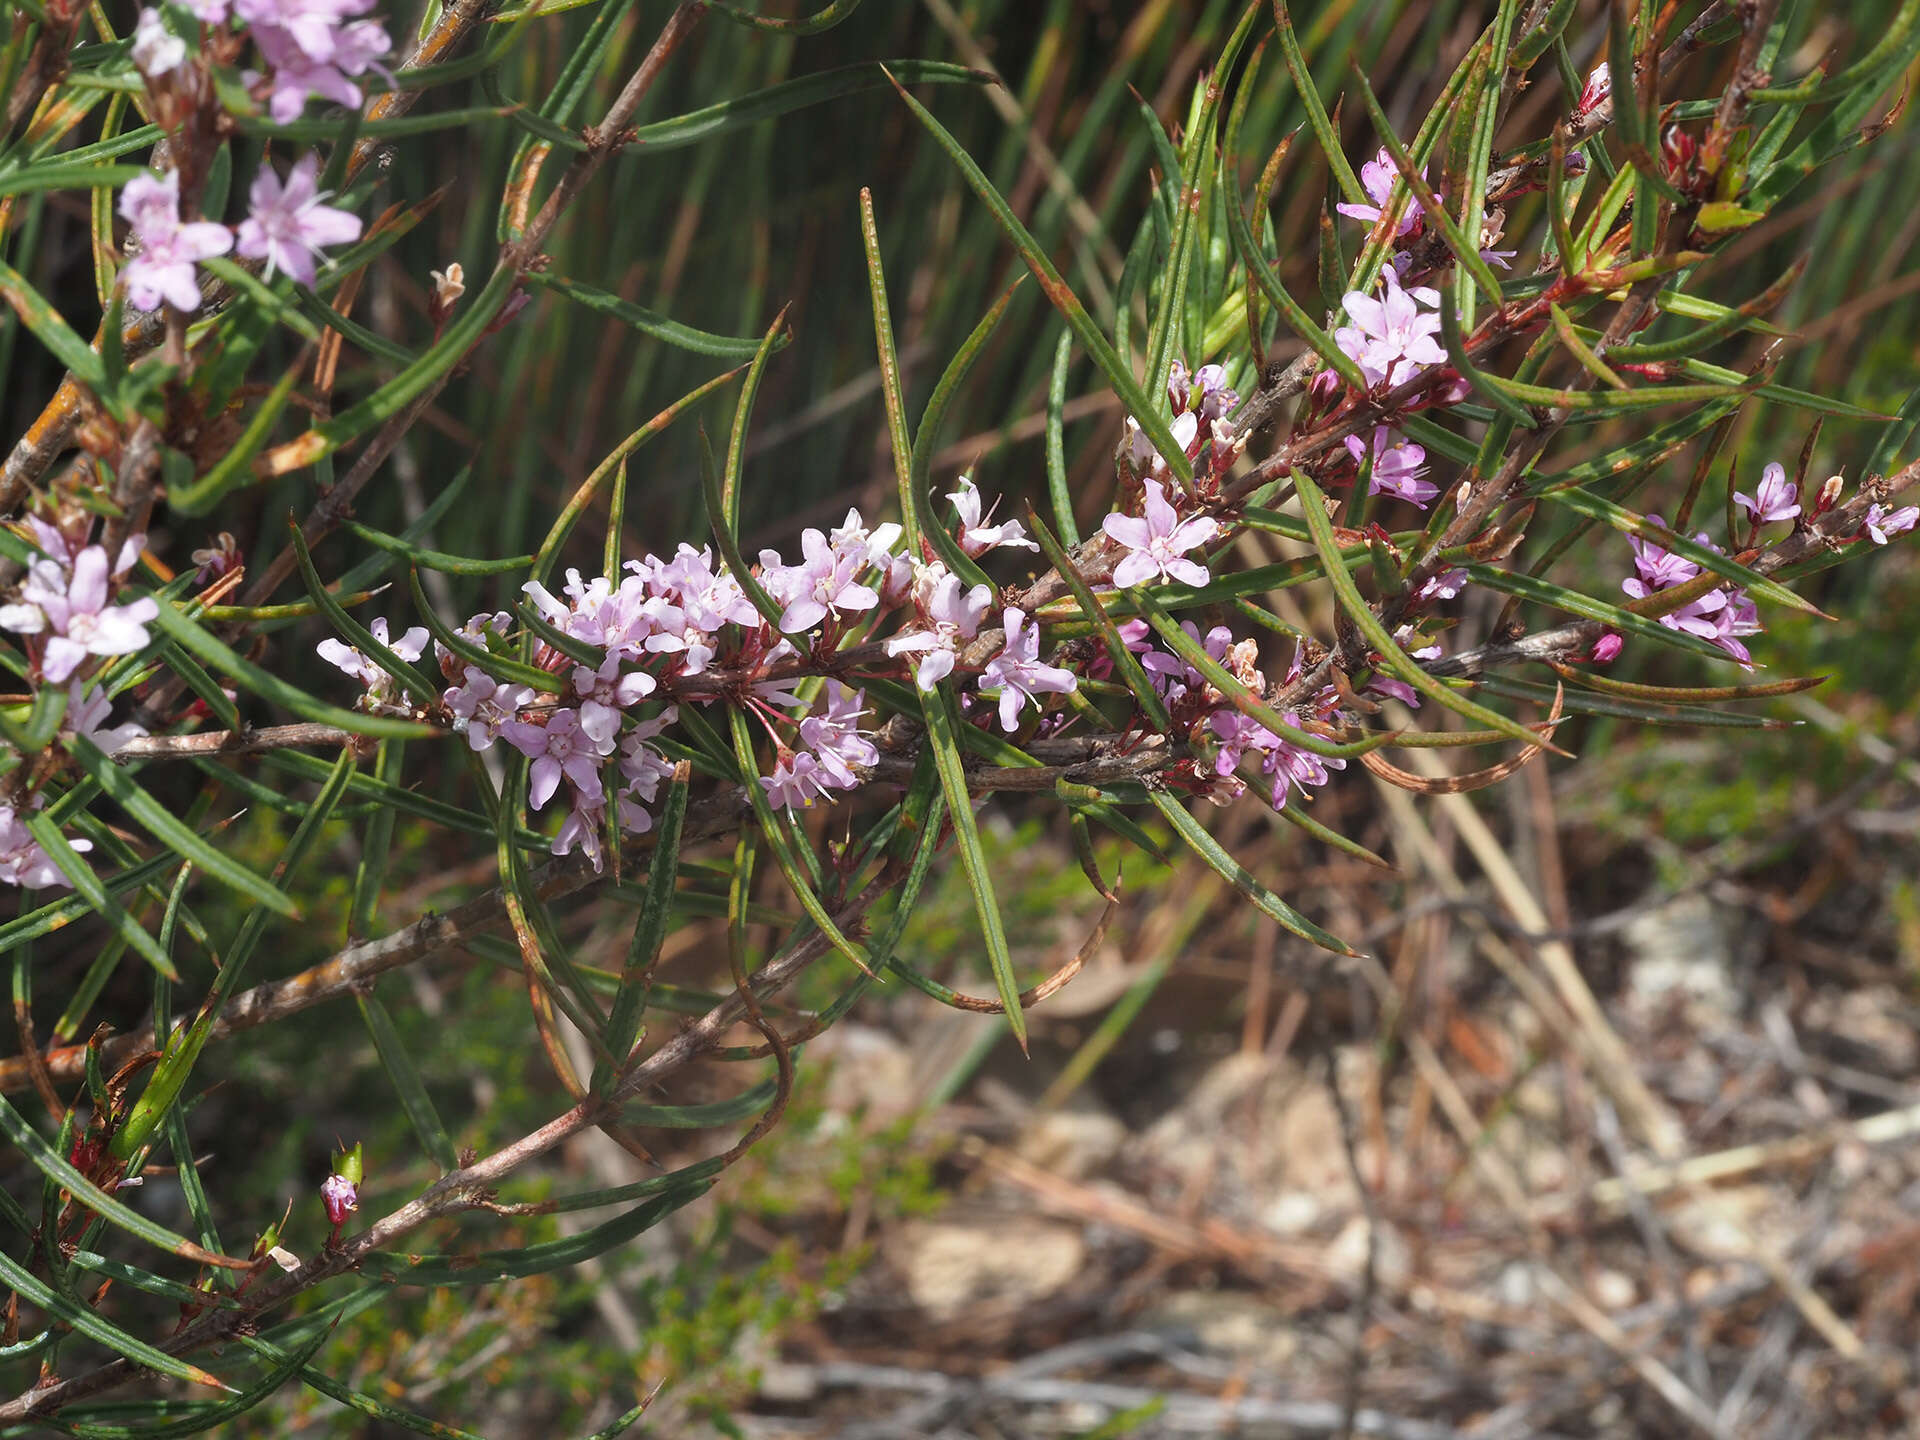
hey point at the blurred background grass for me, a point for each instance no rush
(723, 234)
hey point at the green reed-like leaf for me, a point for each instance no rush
(643, 953)
(1237, 875)
(90, 1324)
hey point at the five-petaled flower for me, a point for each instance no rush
(561, 747)
(287, 223)
(1159, 540)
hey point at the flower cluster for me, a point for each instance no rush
(1200, 711)
(1720, 617)
(1202, 403)
(685, 630)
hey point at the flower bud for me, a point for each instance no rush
(1829, 496)
(341, 1197)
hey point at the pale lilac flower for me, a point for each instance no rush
(207, 12)
(798, 782)
(977, 538)
(643, 768)
(561, 747)
(311, 51)
(1720, 617)
(1216, 397)
(1289, 766)
(71, 610)
(1377, 178)
(382, 688)
(874, 545)
(826, 580)
(951, 613)
(163, 270)
(1017, 675)
(157, 50)
(1145, 459)
(1238, 734)
(1392, 338)
(216, 560)
(87, 710)
(1777, 498)
(22, 861)
(341, 1198)
(1658, 569)
(1398, 465)
(1444, 586)
(1159, 540)
(481, 704)
(605, 693)
(835, 738)
(287, 223)
(581, 831)
(1882, 523)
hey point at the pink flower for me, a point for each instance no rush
(1159, 539)
(287, 223)
(72, 611)
(605, 693)
(157, 50)
(1398, 465)
(313, 50)
(22, 861)
(1607, 648)
(163, 270)
(558, 748)
(1016, 674)
(826, 580)
(1444, 586)
(1377, 177)
(950, 614)
(1882, 523)
(835, 737)
(481, 705)
(977, 538)
(581, 831)
(643, 768)
(1776, 499)
(382, 688)
(87, 710)
(1658, 569)
(1204, 392)
(798, 782)
(1391, 339)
